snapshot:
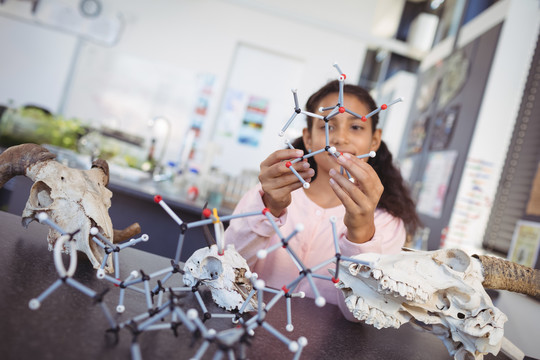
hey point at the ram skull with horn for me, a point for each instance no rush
(442, 292)
(72, 198)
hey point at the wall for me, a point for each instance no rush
(34, 64)
(496, 118)
(168, 39)
(486, 104)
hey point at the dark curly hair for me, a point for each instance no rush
(396, 198)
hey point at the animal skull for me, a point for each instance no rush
(226, 275)
(440, 292)
(73, 199)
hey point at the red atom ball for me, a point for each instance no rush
(363, 118)
(342, 109)
(288, 164)
(158, 198)
(384, 106)
(344, 76)
(207, 212)
(334, 280)
(284, 288)
(265, 210)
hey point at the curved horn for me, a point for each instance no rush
(16, 159)
(103, 165)
(127, 233)
(507, 275)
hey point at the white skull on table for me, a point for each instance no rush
(440, 292)
(226, 275)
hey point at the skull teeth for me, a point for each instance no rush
(387, 285)
(370, 315)
(376, 273)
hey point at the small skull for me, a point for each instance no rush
(226, 275)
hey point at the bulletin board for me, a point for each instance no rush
(439, 131)
(256, 103)
(437, 176)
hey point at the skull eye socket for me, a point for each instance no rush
(40, 195)
(456, 260)
(213, 266)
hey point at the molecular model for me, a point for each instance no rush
(159, 309)
(164, 310)
(339, 108)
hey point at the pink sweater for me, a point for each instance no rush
(313, 245)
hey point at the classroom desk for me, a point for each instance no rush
(69, 326)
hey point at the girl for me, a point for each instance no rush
(372, 214)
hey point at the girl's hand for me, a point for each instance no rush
(278, 181)
(359, 198)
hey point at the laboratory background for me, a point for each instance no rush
(185, 98)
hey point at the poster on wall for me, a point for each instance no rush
(252, 124)
(204, 91)
(233, 106)
(256, 102)
(443, 128)
(199, 115)
(435, 182)
(417, 135)
(454, 78)
(525, 243)
(471, 205)
(428, 88)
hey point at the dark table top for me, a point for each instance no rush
(69, 325)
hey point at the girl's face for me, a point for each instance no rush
(347, 133)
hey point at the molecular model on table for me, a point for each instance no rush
(164, 310)
(167, 305)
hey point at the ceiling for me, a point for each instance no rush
(373, 22)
